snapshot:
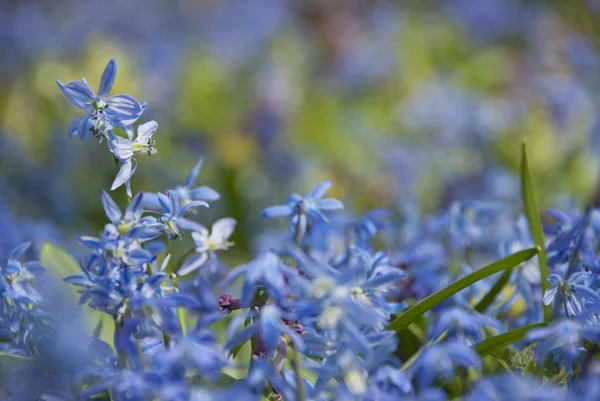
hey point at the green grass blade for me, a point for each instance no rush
(7, 359)
(492, 344)
(490, 297)
(412, 313)
(535, 225)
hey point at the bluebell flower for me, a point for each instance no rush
(267, 271)
(203, 193)
(103, 112)
(572, 245)
(369, 225)
(206, 244)
(268, 326)
(439, 360)
(466, 325)
(123, 237)
(512, 387)
(124, 150)
(570, 295)
(186, 193)
(468, 223)
(304, 209)
(16, 277)
(172, 215)
(563, 341)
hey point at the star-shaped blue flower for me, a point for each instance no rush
(103, 112)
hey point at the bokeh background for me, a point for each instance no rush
(408, 105)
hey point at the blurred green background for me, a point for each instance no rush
(407, 105)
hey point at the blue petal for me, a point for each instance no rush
(73, 127)
(178, 300)
(78, 280)
(110, 208)
(108, 78)
(319, 190)
(194, 173)
(135, 208)
(163, 200)
(123, 110)
(124, 175)
(205, 194)
(78, 93)
(191, 204)
(84, 129)
(275, 212)
(20, 250)
(329, 204)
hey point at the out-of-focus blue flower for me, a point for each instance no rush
(301, 209)
(16, 278)
(206, 244)
(563, 341)
(268, 326)
(369, 225)
(439, 360)
(267, 271)
(574, 235)
(464, 324)
(570, 295)
(103, 112)
(511, 387)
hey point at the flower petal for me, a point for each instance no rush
(123, 110)
(275, 212)
(319, 190)
(145, 131)
(78, 93)
(124, 175)
(113, 212)
(194, 173)
(108, 78)
(329, 204)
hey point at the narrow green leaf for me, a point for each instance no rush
(58, 261)
(412, 313)
(535, 225)
(490, 297)
(492, 344)
(12, 359)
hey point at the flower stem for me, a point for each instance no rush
(295, 354)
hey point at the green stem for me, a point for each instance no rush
(180, 311)
(295, 354)
(183, 258)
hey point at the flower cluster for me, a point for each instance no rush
(327, 313)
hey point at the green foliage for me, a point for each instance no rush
(492, 344)
(490, 297)
(417, 310)
(535, 225)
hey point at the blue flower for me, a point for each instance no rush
(103, 112)
(439, 360)
(206, 244)
(563, 341)
(511, 387)
(172, 216)
(464, 324)
(267, 271)
(124, 150)
(569, 295)
(187, 194)
(268, 326)
(301, 209)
